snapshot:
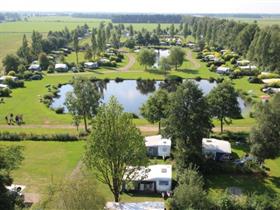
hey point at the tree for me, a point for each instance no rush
(76, 45)
(188, 121)
(11, 63)
(131, 31)
(146, 57)
(164, 65)
(158, 30)
(88, 54)
(185, 30)
(36, 45)
(265, 136)
(114, 145)
(172, 30)
(10, 159)
(84, 100)
(24, 51)
(190, 193)
(176, 56)
(44, 61)
(223, 101)
(155, 108)
(93, 43)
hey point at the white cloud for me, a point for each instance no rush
(147, 6)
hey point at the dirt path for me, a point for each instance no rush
(131, 62)
(195, 63)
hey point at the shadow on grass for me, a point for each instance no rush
(142, 194)
(188, 71)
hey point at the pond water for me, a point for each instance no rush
(131, 94)
(161, 53)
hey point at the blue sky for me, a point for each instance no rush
(146, 6)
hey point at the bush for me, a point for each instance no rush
(198, 78)
(255, 80)
(7, 136)
(5, 92)
(118, 79)
(12, 73)
(14, 83)
(59, 110)
(211, 79)
(268, 76)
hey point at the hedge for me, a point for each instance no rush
(7, 136)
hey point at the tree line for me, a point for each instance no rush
(260, 45)
(146, 18)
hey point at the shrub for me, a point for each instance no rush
(7, 136)
(14, 83)
(59, 110)
(255, 79)
(5, 92)
(12, 73)
(118, 79)
(211, 79)
(198, 78)
(212, 68)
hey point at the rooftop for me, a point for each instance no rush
(157, 140)
(216, 145)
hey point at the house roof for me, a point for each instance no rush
(157, 140)
(151, 173)
(8, 77)
(215, 145)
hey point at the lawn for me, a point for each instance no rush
(249, 184)
(46, 162)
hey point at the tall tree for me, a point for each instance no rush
(155, 108)
(158, 30)
(265, 136)
(10, 159)
(172, 30)
(84, 100)
(223, 101)
(94, 47)
(131, 30)
(36, 45)
(24, 51)
(76, 45)
(188, 121)
(176, 56)
(146, 57)
(185, 30)
(114, 145)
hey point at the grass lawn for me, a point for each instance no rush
(248, 184)
(46, 162)
(51, 162)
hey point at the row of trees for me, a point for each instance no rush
(261, 45)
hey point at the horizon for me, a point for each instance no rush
(147, 7)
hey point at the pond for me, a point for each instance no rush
(132, 94)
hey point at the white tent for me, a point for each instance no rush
(91, 65)
(158, 146)
(223, 70)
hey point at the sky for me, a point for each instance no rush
(145, 6)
